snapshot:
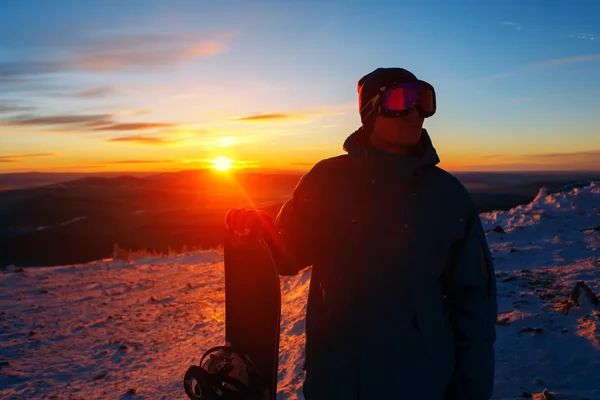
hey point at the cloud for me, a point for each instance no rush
(578, 160)
(541, 64)
(133, 126)
(152, 140)
(121, 53)
(139, 161)
(14, 70)
(77, 123)
(21, 157)
(270, 117)
(115, 53)
(583, 36)
(591, 154)
(99, 91)
(9, 109)
(512, 24)
(569, 60)
(29, 120)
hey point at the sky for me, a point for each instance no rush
(89, 86)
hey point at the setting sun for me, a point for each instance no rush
(222, 163)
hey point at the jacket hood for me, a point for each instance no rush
(381, 163)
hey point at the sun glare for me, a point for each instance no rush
(222, 163)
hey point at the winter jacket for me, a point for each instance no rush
(402, 298)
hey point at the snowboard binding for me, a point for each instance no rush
(225, 375)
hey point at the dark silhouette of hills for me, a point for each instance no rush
(79, 220)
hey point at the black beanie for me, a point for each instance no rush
(370, 84)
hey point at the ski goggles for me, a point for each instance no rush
(399, 98)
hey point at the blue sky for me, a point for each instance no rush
(146, 85)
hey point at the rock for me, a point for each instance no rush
(131, 391)
(43, 291)
(32, 333)
(529, 329)
(564, 330)
(527, 395)
(497, 229)
(547, 395)
(509, 279)
(576, 294)
(591, 228)
(511, 250)
(124, 347)
(20, 270)
(101, 376)
(503, 321)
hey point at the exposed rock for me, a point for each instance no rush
(529, 329)
(577, 291)
(497, 229)
(101, 376)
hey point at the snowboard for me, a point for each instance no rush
(253, 304)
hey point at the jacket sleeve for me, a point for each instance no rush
(293, 250)
(471, 297)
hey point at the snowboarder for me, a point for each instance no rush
(402, 298)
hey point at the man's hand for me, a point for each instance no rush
(245, 221)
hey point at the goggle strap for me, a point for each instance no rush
(373, 103)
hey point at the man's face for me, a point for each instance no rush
(396, 134)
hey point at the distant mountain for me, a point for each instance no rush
(24, 180)
(163, 211)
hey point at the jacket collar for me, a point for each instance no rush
(381, 164)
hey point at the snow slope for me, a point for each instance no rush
(129, 330)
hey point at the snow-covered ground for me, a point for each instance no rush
(119, 329)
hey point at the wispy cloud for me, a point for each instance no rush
(29, 120)
(134, 126)
(568, 160)
(99, 91)
(512, 24)
(15, 70)
(296, 115)
(117, 53)
(81, 123)
(569, 60)
(10, 109)
(541, 64)
(138, 139)
(139, 161)
(121, 53)
(271, 117)
(21, 157)
(583, 36)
